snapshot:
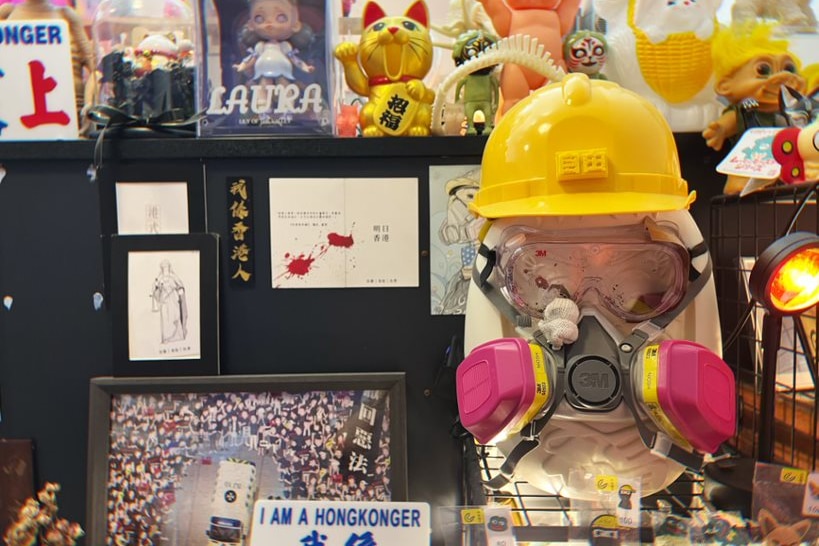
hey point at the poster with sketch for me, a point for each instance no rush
(453, 235)
(344, 232)
(163, 305)
(792, 366)
(151, 208)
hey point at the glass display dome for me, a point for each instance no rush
(146, 58)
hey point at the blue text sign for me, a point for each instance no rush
(331, 523)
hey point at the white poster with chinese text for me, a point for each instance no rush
(37, 99)
(344, 232)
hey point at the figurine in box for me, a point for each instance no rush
(272, 76)
(272, 57)
(387, 66)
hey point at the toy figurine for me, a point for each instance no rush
(662, 51)
(811, 74)
(546, 20)
(347, 119)
(481, 88)
(798, 109)
(82, 54)
(794, 15)
(585, 51)
(387, 66)
(750, 68)
(796, 149)
(464, 16)
(272, 58)
(774, 532)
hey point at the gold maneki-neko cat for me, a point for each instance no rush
(387, 66)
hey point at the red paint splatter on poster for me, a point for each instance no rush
(344, 241)
(300, 266)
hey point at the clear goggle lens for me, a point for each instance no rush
(636, 280)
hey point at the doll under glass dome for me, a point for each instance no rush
(146, 60)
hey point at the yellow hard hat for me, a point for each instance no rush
(578, 147)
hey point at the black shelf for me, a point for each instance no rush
(243, 147)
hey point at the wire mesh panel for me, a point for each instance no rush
(542, 517)
(741, 229)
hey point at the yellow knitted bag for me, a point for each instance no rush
(677, 68)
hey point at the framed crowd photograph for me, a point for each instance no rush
(164, 302)
(185, 458)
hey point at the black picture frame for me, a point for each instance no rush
(172, 328)
(326, 406)
(190, 172)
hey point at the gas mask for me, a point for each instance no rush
(680, 395)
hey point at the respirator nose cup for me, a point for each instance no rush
(501, 386)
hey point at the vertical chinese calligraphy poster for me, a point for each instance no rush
(453, 232)
(344, 232)
(163, 305)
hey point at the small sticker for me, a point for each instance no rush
(628, 505)
(98, 301)
(498, 526)
(2, 172)
(793, 475)
(605, 483)
(8, 301)
(603, 531)
(472, 516)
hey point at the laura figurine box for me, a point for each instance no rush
(266, 68)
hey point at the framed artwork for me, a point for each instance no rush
(135, 201)
(453, 235)
(185, 458)
(149, 198)
(164, 300)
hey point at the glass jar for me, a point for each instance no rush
(146, 58)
